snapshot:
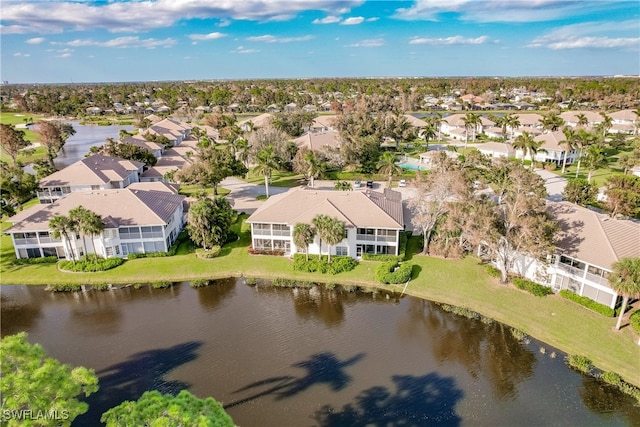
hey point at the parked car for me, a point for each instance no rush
(357, 184)
(402, 183)
(369, 184)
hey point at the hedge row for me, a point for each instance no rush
(339, 264)
(589, 303)
(634, 321)
(87, 266)
(276, 252)
(532, 287)
(42, 260)
(393, 272)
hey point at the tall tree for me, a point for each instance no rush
(320, 224)
(31, 381)
(580, 191)
(605, 124)
(519, 225)
(568, 144)
(311, 164)
(623, 195)
(62, 226)
(156, 409)
(53, 135)
(329, 229)
(88, 223)
(595, 158)
(267, 162)
(512, 122)
(583, 139)
(12, 141)
(471, 122)
(551, 122)
(209, 221)
(582, 120)
(527, 143)
(625, 280)
(212, 166)
(303, 236)
(387, 166)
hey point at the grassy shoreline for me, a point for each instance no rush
(464, 283)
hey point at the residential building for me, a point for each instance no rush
(318, 141)
(95, 172)
(142, 218)
(587, 245)
(552, 149)
(373, 221)
(496, 149)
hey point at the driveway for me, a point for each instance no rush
(554, 183)
(243, 194)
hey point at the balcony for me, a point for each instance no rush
(27, 241)
(366, 237)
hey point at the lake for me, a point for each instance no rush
(86, 137)
(310, 357)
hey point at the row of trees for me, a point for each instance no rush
(328, 229)
(79, 221)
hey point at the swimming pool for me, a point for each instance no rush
(411, 166)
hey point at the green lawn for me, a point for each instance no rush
(278, 179)
(553, 320)
(192, 190)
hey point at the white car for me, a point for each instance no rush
(402, 183)
(357, 184)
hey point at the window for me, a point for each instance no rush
(153, 247)
(129, 233)
(151, 232)
(342, 250)
(95, 187)
(262, 244)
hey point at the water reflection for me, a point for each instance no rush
(210, 297)
(20, 311)
(143, 371)
(603, 398)
(327, 304)
(417, 401)
(502, 359)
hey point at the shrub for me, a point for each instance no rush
(393, 273)
(518, 334)
(276, 252)
(493, 272)
(634, 321)
(149, 255)
(251, 280)
(44, 260)
(531, 287)
(589, 303)
(232, 236)
(350, 288)
(101, 286)
(580, 363)
(208, 253)
(611, 378)
(65, 287)
(289, 283)
(339, 264)
(88, 266)
(200, 283)
(161, 284)
(381, 257)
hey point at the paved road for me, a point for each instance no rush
(243, 194)
(555, 184)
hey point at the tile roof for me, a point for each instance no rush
(318, 140)
(552, 140)
(92, 170)
(121, 207)
(593, 237)
(354, 208)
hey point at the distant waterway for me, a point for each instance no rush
(310, 357)
(87, 136)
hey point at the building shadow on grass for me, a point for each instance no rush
(322, 368)
(141, 372)
(417, 401)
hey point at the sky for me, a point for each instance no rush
(57, 41)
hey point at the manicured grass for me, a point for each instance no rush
(552, 319)
(191, 190)
(278, 179)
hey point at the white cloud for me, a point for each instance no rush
(124, 42)
(448, 40)
(224, 23)
(372, 19)
(505, 10)
(210, 36)
(64, 55)
(268, 38)
(36, 40)
(244, 50)
(327, 20)
(368, 43)
(138, 16)
(355, 20)
(600, 35)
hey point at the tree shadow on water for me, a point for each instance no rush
(322, 368)
(417, 401)
(141, 372)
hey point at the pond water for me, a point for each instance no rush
(310, 357)
(86, 137)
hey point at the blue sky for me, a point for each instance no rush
(51, 41)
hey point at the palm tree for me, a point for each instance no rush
(61, 226)
(303, 235)
(583, 140)
(528, 145)
(89, 223)
(625, 280)
(569, 145)
(501, 122)
(329, 229)
(583, 121)
(437, 121)
(242, 147)
(551, 122)
(268, 161)
(387, 166)
(512, 122)
(316, 168)
(595, 158)
(320, 222)
(427, 133)
(471, 121)
(606, 123)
